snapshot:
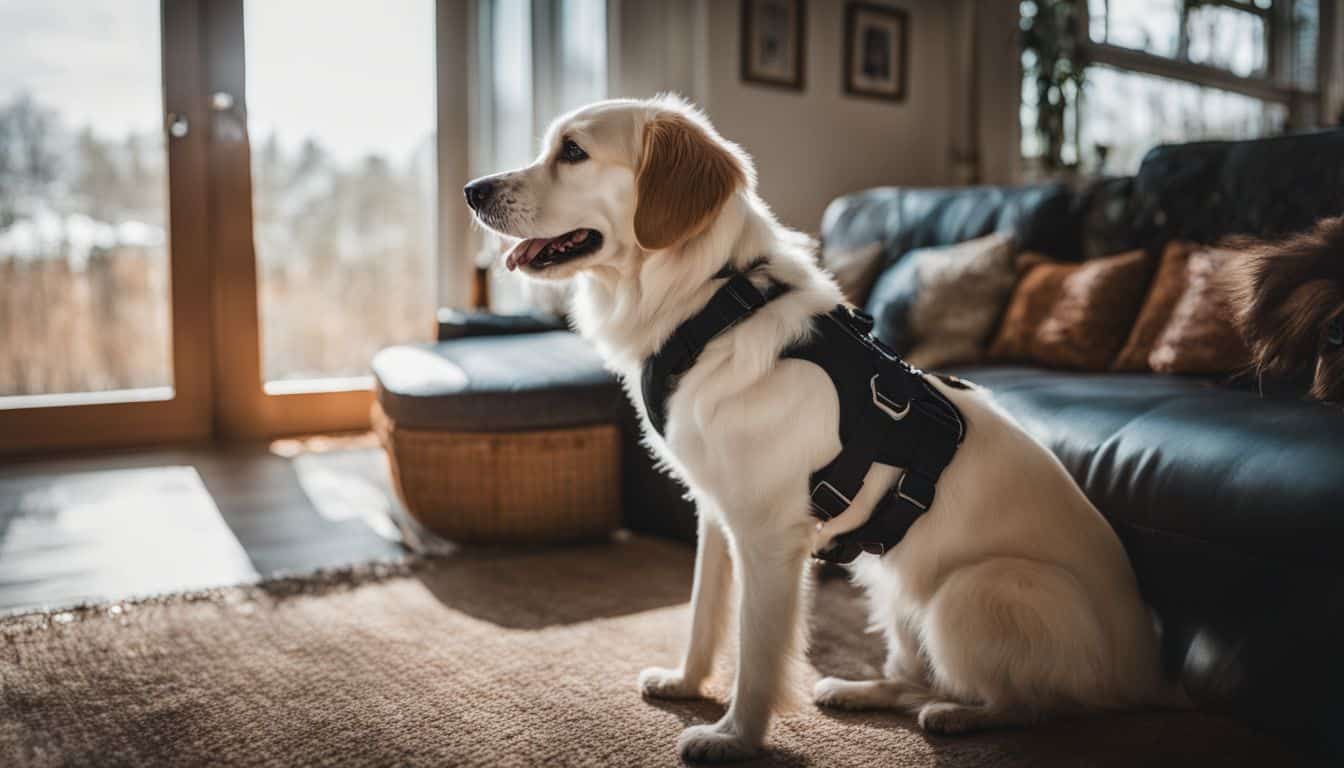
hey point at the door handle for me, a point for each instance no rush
(178, 125)
(221, 101)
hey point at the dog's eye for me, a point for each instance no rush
(571, 152)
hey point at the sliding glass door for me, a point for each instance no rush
(212, 214)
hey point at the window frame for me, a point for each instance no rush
(1304, 104)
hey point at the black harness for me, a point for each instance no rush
(889, 412)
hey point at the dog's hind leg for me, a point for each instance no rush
(949, 717)
(837, 693)
(905, 687)
(1010, 641)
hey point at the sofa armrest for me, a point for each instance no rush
(457, 324)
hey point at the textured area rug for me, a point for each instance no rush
(491, 660)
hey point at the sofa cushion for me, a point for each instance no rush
(521, 382)
(1072, 315)
(939, 306)
(1165, 290)
(854, 269)
(1200, 337)
(1189, 457)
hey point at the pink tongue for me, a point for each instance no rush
(525, 251)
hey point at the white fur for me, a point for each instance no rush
(1011, 599)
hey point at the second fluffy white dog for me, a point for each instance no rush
(1010, 600)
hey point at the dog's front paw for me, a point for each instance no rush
(659, 683)
(713, 744)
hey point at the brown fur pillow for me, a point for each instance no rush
(1072, 315)
(1167, 288)
(1201, 337)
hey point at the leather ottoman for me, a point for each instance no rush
(503, 439)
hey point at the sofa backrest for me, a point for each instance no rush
(903, 218)
(1203, 191)
(1266, 187)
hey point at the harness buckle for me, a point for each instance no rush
(895, 410)
(860, 321)
(825, 497)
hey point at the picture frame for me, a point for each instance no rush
(877, 51)
(774, 42)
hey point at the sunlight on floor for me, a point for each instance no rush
(116, 532)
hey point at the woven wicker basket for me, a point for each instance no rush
(507, 487)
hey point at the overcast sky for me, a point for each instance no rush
(356, 75)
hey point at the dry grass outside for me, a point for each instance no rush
(107, 326)
(65, 329)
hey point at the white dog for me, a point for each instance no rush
(1009, 600)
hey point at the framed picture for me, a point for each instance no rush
(772, 42)
(876, 50)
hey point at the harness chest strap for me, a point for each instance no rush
(889, 413)
(736, 300)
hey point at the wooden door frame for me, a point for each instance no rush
(87, 420)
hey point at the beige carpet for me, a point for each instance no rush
(498, 660)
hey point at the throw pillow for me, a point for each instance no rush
(938, 306)
(1072, 315)
(1201, 337)
(854, 269)
(1167, 288)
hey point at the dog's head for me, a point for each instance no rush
(1290, 299)
(616, 180)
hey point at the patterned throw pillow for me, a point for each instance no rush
(938, 306)
(1201, 337)
(854, 269)
(1072, 315)
(1168, 286)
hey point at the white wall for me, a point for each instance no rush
(811, 145)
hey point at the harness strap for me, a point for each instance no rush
(733, 302)
(889, 412)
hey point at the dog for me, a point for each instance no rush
(1289, 299)
(1010, 600)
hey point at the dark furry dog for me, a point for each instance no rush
(1289, 296)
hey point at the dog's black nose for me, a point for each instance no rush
(478, 192)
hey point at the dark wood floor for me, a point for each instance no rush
(120, 525)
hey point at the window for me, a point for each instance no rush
(84, 291)
(1165, 71)
(344, 188)
(1227, 34)
(1127, 113)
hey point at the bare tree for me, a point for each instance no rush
(29, 162)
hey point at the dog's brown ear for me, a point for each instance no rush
(685, 177)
